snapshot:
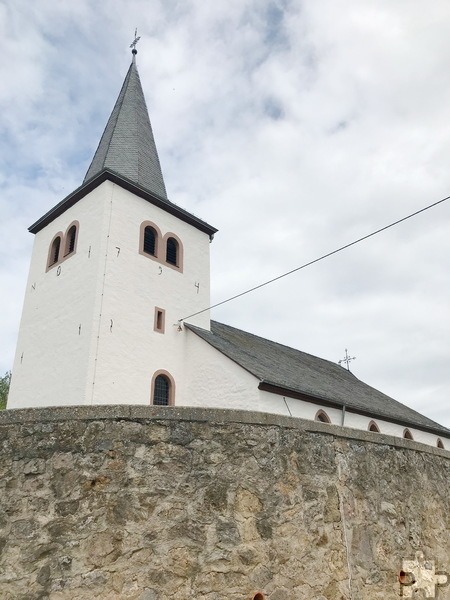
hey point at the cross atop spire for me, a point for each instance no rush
(134, 43)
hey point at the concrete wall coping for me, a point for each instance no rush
(126, 412)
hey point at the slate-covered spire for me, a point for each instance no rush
(127, 146)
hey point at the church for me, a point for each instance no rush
(116, 264)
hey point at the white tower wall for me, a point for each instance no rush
(129, 350)
(58, 319)
(87, 328)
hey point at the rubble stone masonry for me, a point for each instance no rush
(158, 503)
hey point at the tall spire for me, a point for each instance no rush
(127, 146)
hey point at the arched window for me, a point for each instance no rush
(259, 596)
(163, 389)
(172, 253)
(322, 417)
(407, 435)
(54, 251)
(56, 247)
(71, 238)
(440, 444)
(373, 427)
(150, 237)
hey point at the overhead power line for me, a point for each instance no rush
(316, 260)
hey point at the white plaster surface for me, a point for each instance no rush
(51, 348)
(214, 380)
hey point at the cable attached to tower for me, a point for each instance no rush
(316, 260)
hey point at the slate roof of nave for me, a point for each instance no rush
(296, 372)
(127, 146)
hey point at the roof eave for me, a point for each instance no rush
(108, 175)
(274, 388)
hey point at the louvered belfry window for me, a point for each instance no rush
(162, 391)
(71, 235)
(149, 241)
(54, 254)
(172, 252)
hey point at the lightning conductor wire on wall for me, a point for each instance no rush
(316, 260)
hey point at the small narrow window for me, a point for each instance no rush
(159, 324)
(440, 444)
(172, 251)
(373, 427)
(161, 394)
(407, 435)
(322, 417)
(150, 241)
(55, 248)
(71, 237)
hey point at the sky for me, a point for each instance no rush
(293, 126)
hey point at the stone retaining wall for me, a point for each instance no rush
(152, 503)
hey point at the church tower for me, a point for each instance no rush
(114, 266)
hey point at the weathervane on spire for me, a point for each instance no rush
(134, 42)
(347, 360)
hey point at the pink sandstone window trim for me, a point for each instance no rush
(160, 254)
(53, 256)
(159, 324)
(70, 241)
(171, 386)
(180, 252)
(158, 240)
(67, 245)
